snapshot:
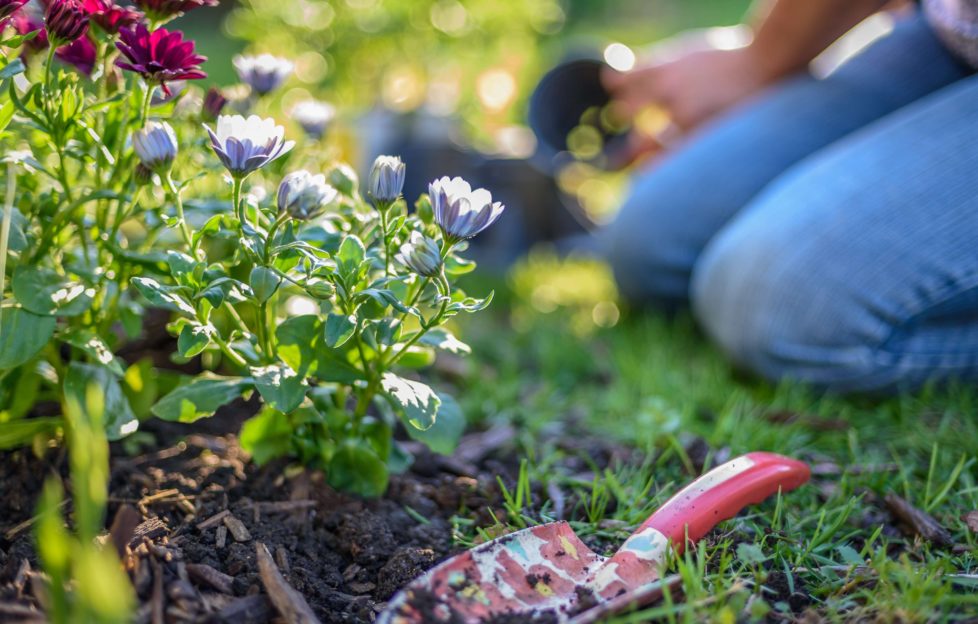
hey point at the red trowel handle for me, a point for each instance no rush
(721, 494)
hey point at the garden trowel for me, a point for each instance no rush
(547, 574)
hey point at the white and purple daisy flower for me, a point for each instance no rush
(263, 73)
(155, 145)
(314, 117)
(245, 145)
(304, 195)
(460, 211)
(421, 255)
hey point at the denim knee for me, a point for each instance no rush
(771, 312)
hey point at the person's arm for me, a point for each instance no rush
(788, 34)
(696, 86)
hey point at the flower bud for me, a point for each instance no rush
(65, 21)
(320, 289)
(156, 146)
(213, 104)
(305, 196)
(387, 179)
(345, 179)
(142, 176)
(421, 255)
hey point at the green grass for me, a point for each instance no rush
(655, 384)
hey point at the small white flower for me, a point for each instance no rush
(263, 73)
(460, 211)
(304, 195)
(421, 255)
(314, 117)
(245, 145)
(387, 178)
(155, 145)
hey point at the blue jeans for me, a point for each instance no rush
(826, 231)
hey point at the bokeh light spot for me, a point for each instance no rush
(619, 56)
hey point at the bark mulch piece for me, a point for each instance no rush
(918, 522)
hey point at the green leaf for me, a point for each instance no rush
(441, 338)
(264, 283)
(6, 114)
(418, 401)
(417, 356)
(194, 338)
(266, 436)
(384, 297)
(850, 555)
(22, 335)
(18, 226)
(141, 386)
(93, 346)
(21, 432)
(180, 263)
(200, 398)
(118, 419)
(350, 256)
(12, 68)
(213, 226)
(456, 266)
(469, 304)
(339, 329)
(443, 436)
(302, 345)
(162, 296)
(750, 553)
(280, 386)
(386, 331)
(355, 467)
(42, 291)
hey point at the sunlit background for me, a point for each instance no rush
(448, 75)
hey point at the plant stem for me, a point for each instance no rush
(443, 286)
(236, 199)
(282, 218)
(229, 352)
(383, 208)
(47, 70)
(121, 217)
(8, 210)
(147, 100)
(264, 335)
(184, 228)
(238, 321)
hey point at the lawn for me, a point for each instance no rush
(831, 550)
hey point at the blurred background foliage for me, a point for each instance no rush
(465, 67)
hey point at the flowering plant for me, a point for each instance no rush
(129, 192)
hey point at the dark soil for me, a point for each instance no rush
(201, 508)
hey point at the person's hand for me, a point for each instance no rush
(690, 89)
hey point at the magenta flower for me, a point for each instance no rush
(168, 9)
(159, 56)
(65, 21)
(80, 54)
(111, 17)
(7, 8)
